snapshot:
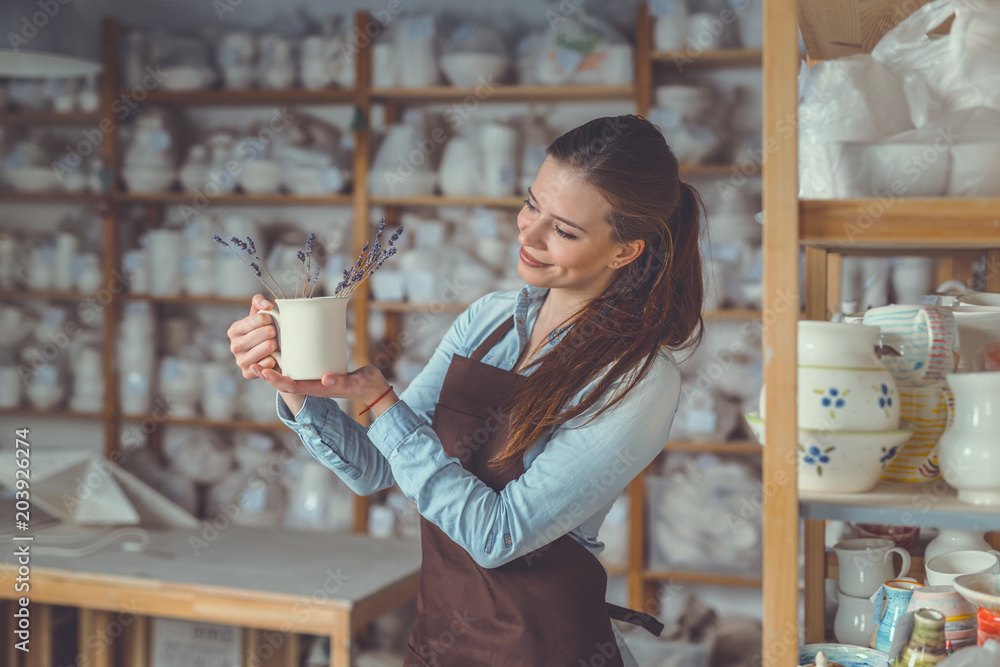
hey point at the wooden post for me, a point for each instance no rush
(41, 636)
(111, 418)
(780, 317)
(362, 202)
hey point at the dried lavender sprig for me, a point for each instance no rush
(219, 240)
(251, 249)
(301, 256)
(315, 279)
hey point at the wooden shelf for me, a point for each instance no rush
(898, 503)
(503, 93)
(54, 197)
(202, 422)
(937, 225)
(50, 118)
(743, 447)
(51, 294)
(234, 199)
(719, 170)
(710, 58)
(191, 300)
(441, 200)
(251, 97)
(29, 412)
(731, 314)
(696, 577)
(404, 307)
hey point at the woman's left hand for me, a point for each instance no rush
(364, 384)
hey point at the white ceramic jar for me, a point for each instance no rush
(842, 383)
(968, 450)
(949, 540)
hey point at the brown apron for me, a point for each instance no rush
(544, 609)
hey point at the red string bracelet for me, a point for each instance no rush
(376, 401)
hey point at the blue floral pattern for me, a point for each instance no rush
(832, 398)
(885, 394)
(887, 455)
(815, 456)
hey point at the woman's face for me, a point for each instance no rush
(565, 241)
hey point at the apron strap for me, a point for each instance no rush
(649, 623)
(492, 339)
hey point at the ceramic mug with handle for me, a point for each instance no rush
(312, 336)
(917, 342)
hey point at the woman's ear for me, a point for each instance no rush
(628, 253)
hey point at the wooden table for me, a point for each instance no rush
(270, 579)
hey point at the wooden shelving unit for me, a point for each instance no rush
(710, 58)
(53, 197)
(251, 97)
(48, 294)
(827, 229)
(641, 580)
(440, 200)
(50, 118)
(502, 93)
(234, 199)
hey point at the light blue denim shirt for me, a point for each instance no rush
(571, 478)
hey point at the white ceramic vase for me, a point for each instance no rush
(842, 383)
(949, 540)
(968, 450)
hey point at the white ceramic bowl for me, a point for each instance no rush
(261, 177)
(848, 656)
(148, 179)
(982, 590)
(468, 70)
(841, 461)
(32, 179)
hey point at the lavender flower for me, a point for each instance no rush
(256, 269)
(218, 239)
(238, 243)
(252, 248)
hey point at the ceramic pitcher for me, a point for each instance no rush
(968, 451)
(864, 564)
(897, 594)
(842, 383)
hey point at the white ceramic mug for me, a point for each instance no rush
(312, 336)
(944, 568)
(865, 564)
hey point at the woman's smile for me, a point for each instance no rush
(531, 261)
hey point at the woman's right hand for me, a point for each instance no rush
(252, 339)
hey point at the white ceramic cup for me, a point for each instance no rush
(853, 623)
(864, 565)
(312, 336)
(944, 568)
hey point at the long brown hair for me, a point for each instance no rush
(654, 302)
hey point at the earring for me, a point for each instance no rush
(616, 263)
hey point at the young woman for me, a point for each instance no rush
(536, 410)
